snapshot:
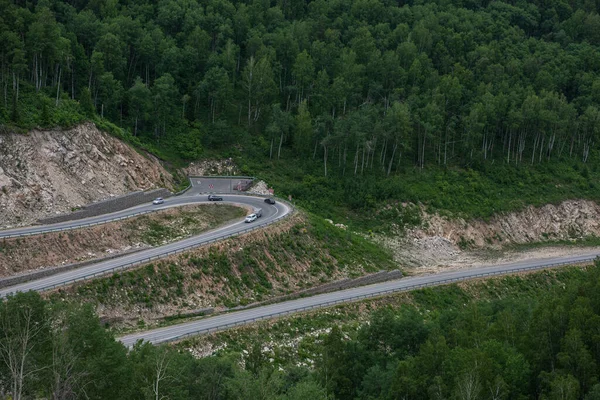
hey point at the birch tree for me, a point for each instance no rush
(23, 340)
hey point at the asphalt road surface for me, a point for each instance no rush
(195, 194)
(228, 320)
(270, 213)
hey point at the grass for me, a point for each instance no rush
(189, 221)
(374, 202)
(296, 338)
(307, 252)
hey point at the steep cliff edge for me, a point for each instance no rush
(45, 173)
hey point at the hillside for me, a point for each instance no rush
(471, 108)
(528, 336)
(43, 173)
(298, 253)
(417, 135)
(54, 249)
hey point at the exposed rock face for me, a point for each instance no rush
(51, 172)
(212, 167)
(570, 219)
(260, 188)
(446, 242)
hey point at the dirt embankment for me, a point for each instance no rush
(286, 258)
(45, 173)
(443, 243)
(61, 248)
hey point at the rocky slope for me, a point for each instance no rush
(444, 242)
(51, 172)
(212, 167)
(571, 219)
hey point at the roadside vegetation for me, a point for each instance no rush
(294, 254)
(470, 109)
(63, 352)
(527, 336)
(59, 248)
(297, 339)
(374, 202)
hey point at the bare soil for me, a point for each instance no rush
(60, 248)
(443, 244)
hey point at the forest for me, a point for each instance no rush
(356, 86)
(540, 341)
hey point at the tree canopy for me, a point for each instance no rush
(510, 82)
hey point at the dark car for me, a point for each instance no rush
(270, 200)
(212, 197)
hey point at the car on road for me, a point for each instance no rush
(251, 218)
(270, 200)
(158, 200)
(212, 197)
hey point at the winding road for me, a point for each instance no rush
(271, 213)
(228, 320)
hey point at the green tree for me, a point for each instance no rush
(303, 72)
(303, 132)
(259, 85)
(24, 345)
(164, 98)
(217, 88)
(140, 103)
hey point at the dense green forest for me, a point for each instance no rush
(344, 91)
(539, 341)
(359, 85)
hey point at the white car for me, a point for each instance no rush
(158, 200)
(251, 218)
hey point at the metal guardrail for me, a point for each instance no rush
(371, 295)
(165, 254)
(71, 228)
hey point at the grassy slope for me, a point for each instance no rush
(295, 338)
(470, 193)
(300, 252)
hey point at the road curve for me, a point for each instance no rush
(270, 214)
(228, 320)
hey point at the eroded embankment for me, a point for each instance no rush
(62, 248)
(297, 253)
(443, 242)
(51, 172)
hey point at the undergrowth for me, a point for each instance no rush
(297, 338)
(242, 270)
